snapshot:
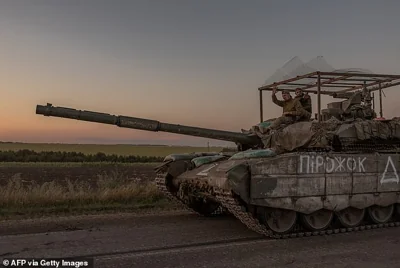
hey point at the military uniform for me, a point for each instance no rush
(295, 109)
(305, 102)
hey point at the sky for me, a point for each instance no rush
(196, 63)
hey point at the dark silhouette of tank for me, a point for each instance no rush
(312, 177)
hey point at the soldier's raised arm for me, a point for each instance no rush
(275, 99)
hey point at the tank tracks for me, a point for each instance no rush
(161, 183)
(234, 206)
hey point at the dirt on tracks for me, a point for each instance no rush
(88, 173)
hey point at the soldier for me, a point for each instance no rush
(293, 111)
(304, 99)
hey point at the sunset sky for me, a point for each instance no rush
(195, 63)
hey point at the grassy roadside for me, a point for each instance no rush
(48, 195)
(19, 199)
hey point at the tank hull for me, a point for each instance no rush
(310, 193)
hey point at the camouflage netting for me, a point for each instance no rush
(297, 135)
(375, 129)
(313, 134)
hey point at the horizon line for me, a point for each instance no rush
(110, 144)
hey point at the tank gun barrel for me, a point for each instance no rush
(343, 95)
(146, 124)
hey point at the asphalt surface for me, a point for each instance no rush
(187, 240)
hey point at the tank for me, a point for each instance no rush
(307, 178)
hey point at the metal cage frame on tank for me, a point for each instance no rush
(325, 83)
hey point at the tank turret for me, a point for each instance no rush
(356, 105)
(244, 141)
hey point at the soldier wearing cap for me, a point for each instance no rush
(293, 110)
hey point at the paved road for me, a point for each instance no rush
(187, 240)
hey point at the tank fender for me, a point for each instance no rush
(202, 160)
(176, 164)
(260, 153)
(188, 156)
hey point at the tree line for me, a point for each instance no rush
(57, 156)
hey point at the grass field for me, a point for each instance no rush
(40, 189)
(19, 199)
(119, 149)
(87, 172)
(30, 190)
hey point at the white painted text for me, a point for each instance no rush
(320, 164)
